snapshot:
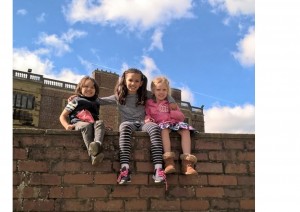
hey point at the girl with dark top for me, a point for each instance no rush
(83, 113)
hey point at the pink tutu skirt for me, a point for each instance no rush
(176, 126)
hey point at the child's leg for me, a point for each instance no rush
(188, 161)
(156, 142)
(156, 151)
(185, 141)
(99, 129)
(126, 129)
(87, 132)
(96, 147)
(168, 156)
(165, 135)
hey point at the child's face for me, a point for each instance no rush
(161, 91)
(88, 88)
(133, 82)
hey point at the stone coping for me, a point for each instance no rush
(36, 131)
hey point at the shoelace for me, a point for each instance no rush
(162, 174)
(122, 174)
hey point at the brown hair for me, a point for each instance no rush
(121, 90)
(79, 86)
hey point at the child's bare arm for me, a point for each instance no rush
(64, 121)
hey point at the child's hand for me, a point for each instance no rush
(172, 106)
(149, 120)
(71, 97)
(70, 127)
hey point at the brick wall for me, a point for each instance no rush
(52, 172)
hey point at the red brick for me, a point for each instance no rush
(151, 192)
(45, 179)
(246, 180)
(172, 179)
(198, 180)
(195, 205)
(209, 167)
(77, 205)
(178, 192)
(249, 191)
(63, 166)
(125, 191)
(88, 192)
(163, 205)
(224, 155)
(213, 145)
(35, 141)
(234, 144)
(111, 205)
(17, 178)
(222, 180)
(14, 166)
(136, 205)
(19, 154)
(201, 156)
(46, 153)
(62, 192)
(224, 204)
(33, 166)
(141, 155)
(251, 168)
(250, 144)
(105, 179)
(247, 204)
(139, 179)
(233, 192)
(17, 205)
(30, 192)
(38, 205)
(210, 192)
(246, 156)
(78, 179)
(235, 168)
(144, 167)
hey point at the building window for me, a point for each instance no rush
(23, 101)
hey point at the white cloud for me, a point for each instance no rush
(239, 119)
(24, 59)
(187, 95)
(60, 45)
(22, 12)
(156, 40)
(246, 49)
(132, 14)
(67, 75)
(41, 18)
(150, 69)
(234, 7)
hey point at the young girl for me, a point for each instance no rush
(157, 111)
(130, 96)
(83, 113)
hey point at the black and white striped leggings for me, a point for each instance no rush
(126, 128)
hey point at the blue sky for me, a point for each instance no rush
(205, 48)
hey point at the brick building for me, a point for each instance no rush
(38, 101)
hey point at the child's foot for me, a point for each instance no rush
(95, 148)
(97, 159)
(159, 176)
(124, 176)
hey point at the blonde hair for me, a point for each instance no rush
(162, 80)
